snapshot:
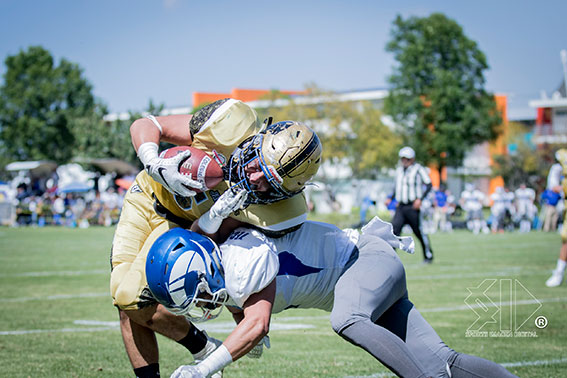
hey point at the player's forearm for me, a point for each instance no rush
(254, 325)
(143, 131)
(173, 129)
(245, 336)
(237, 314)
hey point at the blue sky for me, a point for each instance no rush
(164, 50)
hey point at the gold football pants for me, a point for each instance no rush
(139, 226)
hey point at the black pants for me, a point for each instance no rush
(406, 214)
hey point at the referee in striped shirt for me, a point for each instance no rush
(412, 186)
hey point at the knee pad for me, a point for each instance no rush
(125, 286)
(339, 322)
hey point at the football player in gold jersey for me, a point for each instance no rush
(266, 167)
(558, 184)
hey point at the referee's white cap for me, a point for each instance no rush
(407, 152)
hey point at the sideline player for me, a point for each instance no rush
(557, 184)
(358, 277)
(472, 201)
(525, 208)
(270, 165)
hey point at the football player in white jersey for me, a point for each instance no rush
(525, 208)
(266, 167)
(357, 277)
(472, 202)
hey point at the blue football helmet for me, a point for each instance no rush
(289, 154)
(184, 274)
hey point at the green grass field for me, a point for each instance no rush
(57, 319)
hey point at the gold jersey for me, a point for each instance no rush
(222, 128)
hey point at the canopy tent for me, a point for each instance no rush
(75, 187)
(118, 166)
(35, 168)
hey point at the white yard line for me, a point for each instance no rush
(58, 273)
(503, 273)
(221, 327)
(556, 361)
(54, 297)
(31, 331)
(498, 304)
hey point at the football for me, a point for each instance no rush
(199, 165)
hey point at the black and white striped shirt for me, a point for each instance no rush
(410, 182)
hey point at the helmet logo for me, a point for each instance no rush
(189, 261)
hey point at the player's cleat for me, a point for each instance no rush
(556, 279)
(212, 345)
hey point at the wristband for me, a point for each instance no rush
(147, 152)
(209, 223)
(216, 361)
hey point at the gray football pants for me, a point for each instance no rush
(372, 311)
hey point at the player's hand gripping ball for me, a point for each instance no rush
(199, 166)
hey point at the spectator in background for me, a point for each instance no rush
(412, 186)
(58, 209)
(441, 209)
(22, 192)
(558, 183)
(550, 200)
(391, 205)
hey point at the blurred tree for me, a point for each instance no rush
(351, 131)
(111, 139)
(437, 91)
(43, 106)
(524, 163)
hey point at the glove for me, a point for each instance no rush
(256, 352)
(187, 371)
(166, 170)
(231, 200)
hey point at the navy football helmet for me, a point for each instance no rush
(184, 274)
(289, 154)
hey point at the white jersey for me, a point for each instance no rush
(554, 176)
(306, 264)
(525, 200)
(499, 203)
(472, 200)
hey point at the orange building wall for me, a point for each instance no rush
(241, 94)
(498, 147)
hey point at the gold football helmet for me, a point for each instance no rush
(289, 154)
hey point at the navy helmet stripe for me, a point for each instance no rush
(309, 149)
